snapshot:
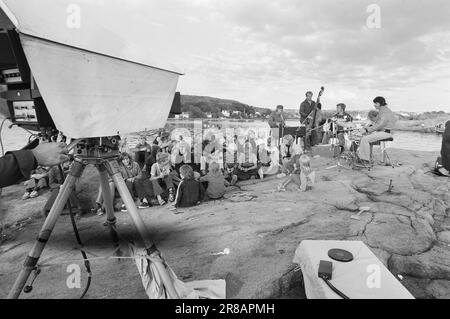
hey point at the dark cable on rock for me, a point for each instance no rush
(80, 243)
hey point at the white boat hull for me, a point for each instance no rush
(93, 95)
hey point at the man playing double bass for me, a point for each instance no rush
(307, 112)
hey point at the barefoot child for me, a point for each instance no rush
(307, 175)
(302, 176)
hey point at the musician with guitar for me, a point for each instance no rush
(308, 115)
(380, 130)
(340, 118)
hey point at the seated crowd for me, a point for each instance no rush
(168, 172)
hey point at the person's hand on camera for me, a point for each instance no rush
(51, 154)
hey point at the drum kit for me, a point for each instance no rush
(352, 139)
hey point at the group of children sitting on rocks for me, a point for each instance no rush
(166, 171)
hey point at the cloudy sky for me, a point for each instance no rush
(265, 53)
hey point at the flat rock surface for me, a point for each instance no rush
(406, 227)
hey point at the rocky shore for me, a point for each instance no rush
(408, 228)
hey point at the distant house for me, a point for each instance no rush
(184, 115)
(358, 117)
(177, 116)
(226, 113)
(208, 115)
(236, 112)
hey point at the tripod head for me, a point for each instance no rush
(93, 150)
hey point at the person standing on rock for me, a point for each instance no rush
(379, 131)
(443, 162)
(306, 112)
(277, 122)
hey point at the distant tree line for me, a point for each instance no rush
(237, 110)
(423, 116)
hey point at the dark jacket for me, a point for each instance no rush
(189, 193)
(16, 166)
(445, 150)
(151, 159)
(306, 109)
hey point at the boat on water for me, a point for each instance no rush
(439, 128)
(91, 84)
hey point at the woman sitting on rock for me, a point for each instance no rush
(247, 163)
(269, 157)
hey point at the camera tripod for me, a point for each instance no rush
(104, 154)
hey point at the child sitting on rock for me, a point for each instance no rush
(289, 166)
(55, 180)
(216, 182)
(37, 181)
(302, 176)
(190, 191)
(229, 174)
(161, 177)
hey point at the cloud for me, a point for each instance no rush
(333, 36)
(268, 52)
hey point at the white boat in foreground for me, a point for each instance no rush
(89, 93)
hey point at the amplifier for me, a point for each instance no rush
(16, 95)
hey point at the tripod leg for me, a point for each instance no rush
(46, 230)
(108, 202)
(113, 170)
